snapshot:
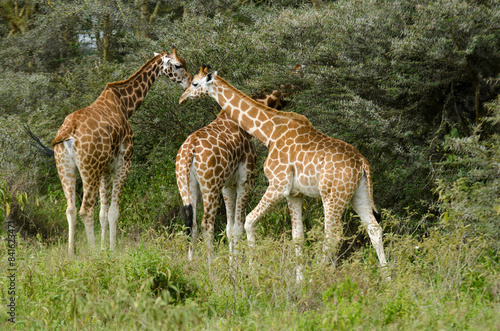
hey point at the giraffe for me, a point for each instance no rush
(276, 98)
(301, 161)
(218, 157)
(97, 142)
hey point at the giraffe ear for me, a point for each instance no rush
(211, 76)
(156, 54)
(166, 60)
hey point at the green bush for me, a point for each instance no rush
(366, 81)
(469, 188)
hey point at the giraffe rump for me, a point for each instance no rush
(187, 215)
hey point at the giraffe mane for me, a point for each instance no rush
(134, 76)
(291, 115)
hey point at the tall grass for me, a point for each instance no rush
(141, 286)
(441, 281)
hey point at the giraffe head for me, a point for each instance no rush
(201, 84)
(298, 69)
(175, 68)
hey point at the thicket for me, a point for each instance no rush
(414, 85)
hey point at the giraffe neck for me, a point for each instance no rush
(131, 92)
(263, 123)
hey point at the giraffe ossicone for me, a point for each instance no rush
(97, 142)
(301, 161)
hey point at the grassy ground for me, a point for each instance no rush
(443, 281)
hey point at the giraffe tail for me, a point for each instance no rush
(187, 215)
(368, 173)
(183, 164)
(44, 150)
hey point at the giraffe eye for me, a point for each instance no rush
(178, 66)
(195, 84)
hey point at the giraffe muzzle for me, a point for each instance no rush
(184, 97)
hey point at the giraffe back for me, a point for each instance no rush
(216, 150)
(98, 134)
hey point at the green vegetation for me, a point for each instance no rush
(414, 85)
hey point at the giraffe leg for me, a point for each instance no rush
(194, 192)
(210, 204)
(193, 231)
(104, 191)
(243, 190)
(121, 173)
(235, 199)
(90, 191)
(71, 217)
(121, 168)
(270, 198)
(363, 205)
(334, 205)
(295, 207)
(229, 195)
(67, 169)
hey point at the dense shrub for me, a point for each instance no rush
(469, 187)
(372, 77)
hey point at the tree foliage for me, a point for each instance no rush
(396, 79)
(469, 187)
(17, 14)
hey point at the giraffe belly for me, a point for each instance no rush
(231, 179)
(306, 185)
(237, 177)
